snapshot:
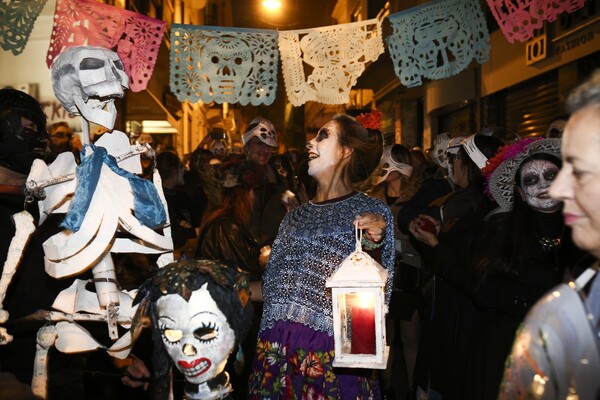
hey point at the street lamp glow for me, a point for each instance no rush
(272, 4)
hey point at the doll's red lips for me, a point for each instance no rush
(195, 368)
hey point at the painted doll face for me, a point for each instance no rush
(196, 334)
(536, 178)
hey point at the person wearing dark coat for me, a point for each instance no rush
(23, 138)
(453, 324)
(224, 235)
(514, 257)
(260, 141)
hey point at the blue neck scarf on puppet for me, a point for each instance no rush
(148, 207)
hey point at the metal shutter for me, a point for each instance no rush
(532, 105)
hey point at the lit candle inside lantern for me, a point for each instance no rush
(363, 325)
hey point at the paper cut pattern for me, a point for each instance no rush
(337, 55)
(135, 37)
(437, 40)
(17, 18)
(224, 64)
(519, 19)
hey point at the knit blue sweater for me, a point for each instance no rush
(312, 242)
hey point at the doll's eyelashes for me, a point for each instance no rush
(172, 336)
(207, 332)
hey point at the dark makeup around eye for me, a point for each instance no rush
(531, 179)
(322, 134)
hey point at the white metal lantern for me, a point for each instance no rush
(357, 289)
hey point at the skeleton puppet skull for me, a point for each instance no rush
(196, 334)
(87, 79)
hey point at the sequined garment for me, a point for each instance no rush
(313, 240)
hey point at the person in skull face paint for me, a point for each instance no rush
(295, 347)
(522, 251)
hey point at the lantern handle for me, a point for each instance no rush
(358, 236)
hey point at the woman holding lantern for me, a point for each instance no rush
(295, 348)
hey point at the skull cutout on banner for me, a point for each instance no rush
(228, 60)
(87, 79)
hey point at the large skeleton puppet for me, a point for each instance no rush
(110, 209)
(199, 312)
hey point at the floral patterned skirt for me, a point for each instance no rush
(294, 361)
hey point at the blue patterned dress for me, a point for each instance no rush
(295, 347)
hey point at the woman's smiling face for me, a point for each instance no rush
(325, 151)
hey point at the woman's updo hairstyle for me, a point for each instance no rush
(366, 145)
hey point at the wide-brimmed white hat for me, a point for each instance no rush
(501, 169)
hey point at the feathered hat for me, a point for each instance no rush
(501, 169)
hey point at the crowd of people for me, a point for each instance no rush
(472, 234)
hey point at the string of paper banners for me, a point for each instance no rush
(109, 208)
(435, 40)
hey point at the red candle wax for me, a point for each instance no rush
(363, 330)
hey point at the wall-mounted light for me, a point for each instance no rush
(271, 4)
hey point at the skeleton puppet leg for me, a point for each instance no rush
(24, 228)
(45, 340)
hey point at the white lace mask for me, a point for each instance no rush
(439, 150)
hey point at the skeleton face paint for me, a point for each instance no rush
(196, 334)
(536, 178)
(324, 151)
(87, 79)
